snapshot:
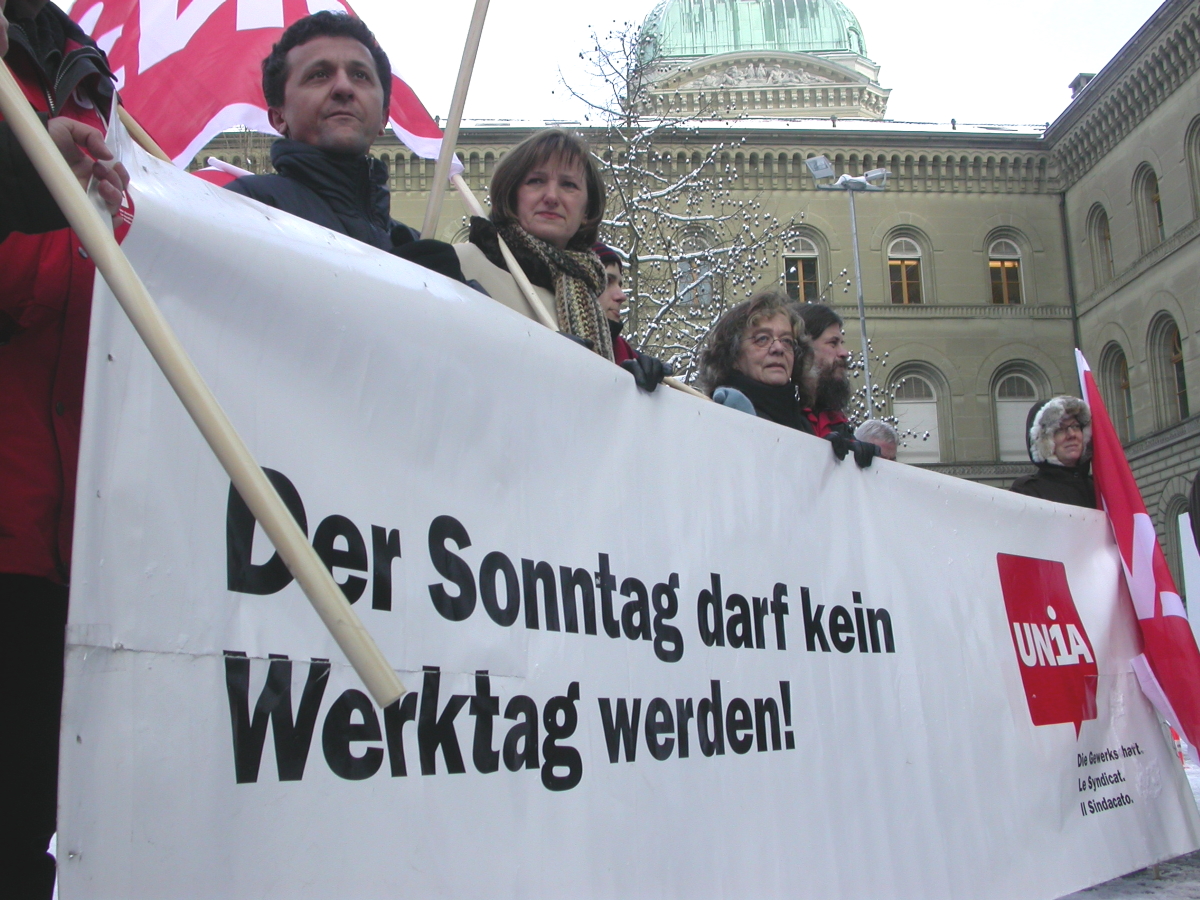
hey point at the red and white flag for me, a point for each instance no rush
(188, 71)
(1168, 669)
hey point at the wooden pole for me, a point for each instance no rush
(139, 134)
(433, 209)
(475, 208)
(96, 236)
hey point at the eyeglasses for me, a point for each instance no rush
(1066, 429)
(764, 341)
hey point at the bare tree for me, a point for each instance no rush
(694, 242)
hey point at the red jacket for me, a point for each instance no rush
(45, 307)
(828, 420)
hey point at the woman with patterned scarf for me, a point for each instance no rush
(547, 204)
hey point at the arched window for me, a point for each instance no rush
(904, 270)
(1192, 149)
(1178, 528)
(1114, 385)
(801, 277)
(1004, 264)
(1166, 355)
(915, 406)
(1100, 239)
(1014, 394)
(1149, 208)
(695, 269)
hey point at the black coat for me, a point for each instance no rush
(348, 194)
(344, 192)
(25, 203)
(67, 59)
(1060, 484)
(778, 403)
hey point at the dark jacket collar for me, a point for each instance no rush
(354, 186)
(1057, 472)
(65, 55)
(777, 402)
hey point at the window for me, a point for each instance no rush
(1192, 148)
(1179, 531)
(904, 270)
(1114, 385)
(1166, 346)
(1015, 394)
(1149, 208)
(1004, 264)
(914, 404)
(695, 271)
(800, 278)
(1178, 384)
(1101, 240)
(695, 281)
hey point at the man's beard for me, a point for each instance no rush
(833, 389)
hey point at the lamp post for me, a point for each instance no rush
(820, 167)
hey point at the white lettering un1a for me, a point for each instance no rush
(1048, 645)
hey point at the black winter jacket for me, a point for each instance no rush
(67, 58)
(1060, 484)
(25, 203)
(345, 193)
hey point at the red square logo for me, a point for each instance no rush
(1057, 662)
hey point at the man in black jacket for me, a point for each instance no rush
(1059, 437)
(327, 85)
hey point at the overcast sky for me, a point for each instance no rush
(996, 62)
(1005, 62)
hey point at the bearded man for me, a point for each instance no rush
(828, 379)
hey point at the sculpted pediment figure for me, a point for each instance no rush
(756, 74)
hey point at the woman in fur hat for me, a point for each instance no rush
(1060, 444)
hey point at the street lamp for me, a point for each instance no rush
(820, 167)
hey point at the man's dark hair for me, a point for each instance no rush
(553, 143)
(723, 346)
(817, 317)
(321, 24)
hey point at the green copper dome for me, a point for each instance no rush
(694, 28)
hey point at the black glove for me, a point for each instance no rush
(864, 452)
(583, 342)
(648, 371)
(841, 444)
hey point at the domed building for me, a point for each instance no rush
(774, 58)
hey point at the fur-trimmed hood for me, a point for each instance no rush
(1044, 421)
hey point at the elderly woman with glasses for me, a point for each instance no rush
(1060, 444)
(754, 359)
(749, 358)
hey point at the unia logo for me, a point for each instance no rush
(1058, 665)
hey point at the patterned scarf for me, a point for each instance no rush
(576, 277)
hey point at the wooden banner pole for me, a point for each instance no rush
(141, 136)
(433, 209)
(97, 238)
(475, 208)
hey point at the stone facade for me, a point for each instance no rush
(970, 206)
(1129, 153)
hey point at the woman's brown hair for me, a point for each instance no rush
(723, 345)
(553, 143)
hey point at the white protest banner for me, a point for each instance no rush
(655, 647)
